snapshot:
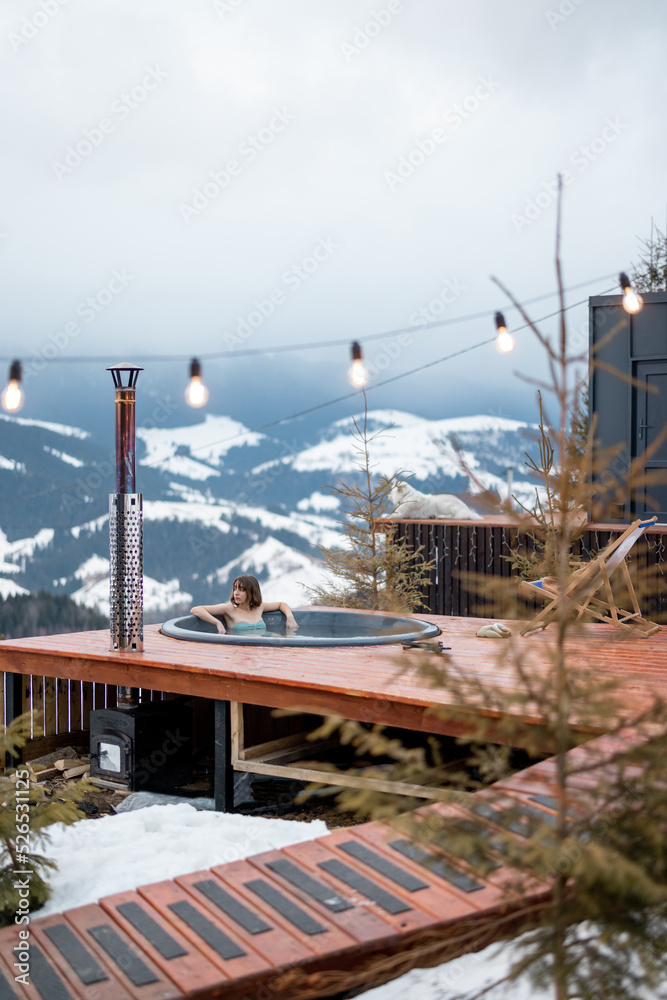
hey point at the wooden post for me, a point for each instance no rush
(223, 775)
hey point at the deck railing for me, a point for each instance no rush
(465, 550)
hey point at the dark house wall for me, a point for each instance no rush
(631, 411)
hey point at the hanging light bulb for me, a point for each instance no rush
(505, 340)
(357, 375)
(12, 397)
(196, 393)
(632, 301)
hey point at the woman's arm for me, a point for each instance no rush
(207, 611)
(281, 606)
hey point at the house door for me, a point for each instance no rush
(650, 432)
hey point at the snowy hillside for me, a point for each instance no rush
(220, 499)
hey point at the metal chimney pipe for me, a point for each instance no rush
(126, 618)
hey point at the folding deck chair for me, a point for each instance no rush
(585, 583)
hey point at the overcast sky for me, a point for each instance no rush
(343, 163)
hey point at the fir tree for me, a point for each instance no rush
(26, 810)
(650, 275)
(602, 930)
(374, 570)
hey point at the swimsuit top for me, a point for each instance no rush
(248, 627)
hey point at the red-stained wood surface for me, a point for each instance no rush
(368, 683)
(353, 931)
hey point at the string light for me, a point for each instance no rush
(357, 375)
(12, 397)
(504, 340)
(632, 301)
(196, 394)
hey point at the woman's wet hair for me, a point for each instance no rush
(251, 587)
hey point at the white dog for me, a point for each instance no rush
(409, 502)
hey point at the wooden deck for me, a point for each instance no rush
(356, 907)
(360, 682)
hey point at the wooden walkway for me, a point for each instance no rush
(356, 907)
(360, 682)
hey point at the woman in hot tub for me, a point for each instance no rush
(243, 613)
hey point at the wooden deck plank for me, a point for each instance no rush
(235, 958)
(278, 946)
(319, 933)
(140, 976)
(72, 956)
(182, 960)
(355, 682)
(340, 904)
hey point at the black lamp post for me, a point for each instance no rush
(126, 609)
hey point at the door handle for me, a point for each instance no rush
(643, 426)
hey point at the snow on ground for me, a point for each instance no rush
(94, 591)
(318, 502)
(314, 528)
(210, 515)
(412, 436)
(113, 854)
(56, 428)
(14, 555)
(11, 465)
(284, 573)
(98, 857)
(64, 457)
(206, 444)
(8, 588)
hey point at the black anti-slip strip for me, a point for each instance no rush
(151, 930)
(44, 977)
(383, 865)
(6, 992)
(206, 930)
(283, 905)
(521, 825)
(73, 951)
(545, 800)
(316, 890)
(136, 971)
(391, 904)
(231, 907)
(438, 866)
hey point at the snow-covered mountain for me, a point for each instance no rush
(220, 499)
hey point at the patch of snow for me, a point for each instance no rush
(413, 445)
(315, 529)
(56, 428)
(209, 514)
(188, 494)
(15, 555)
(94, 592)
(94, 861)
(206, 443)
(64, 457)
(8, 588)
(283, 572)
(96, 525)
(318, 502)
(11, 465)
